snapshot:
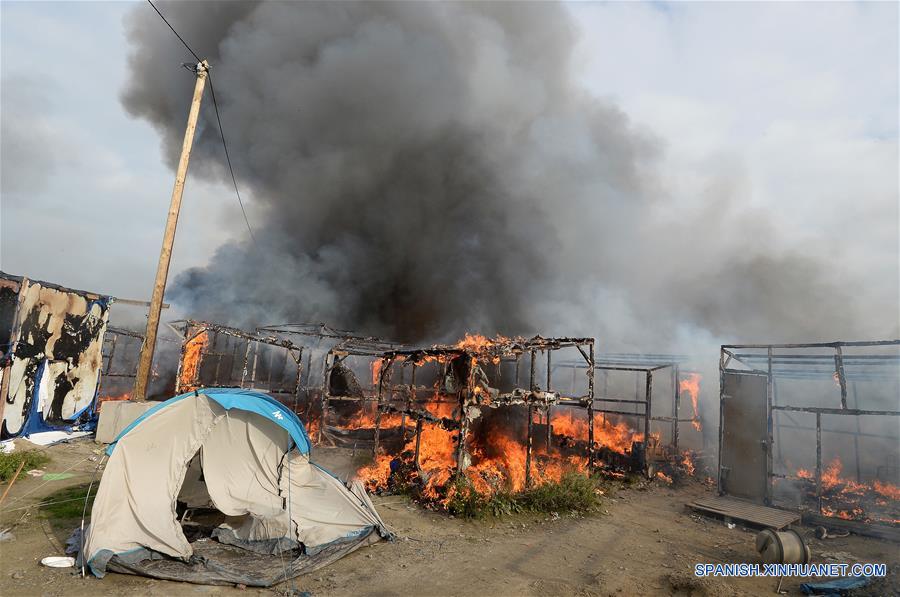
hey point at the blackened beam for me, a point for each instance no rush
(530, 397)
(817, 344)
(617, 367)
(671, 419)
(423, 415)
(819, 359)
(620, 412)
(621, 401)
(837, 411)
(201, 327)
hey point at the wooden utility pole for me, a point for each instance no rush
(165, 255)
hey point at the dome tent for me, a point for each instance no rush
(248, 456)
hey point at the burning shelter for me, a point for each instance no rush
(52, 340)
(477, 413)
(813, 428)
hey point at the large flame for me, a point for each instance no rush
(618, 437)
(190, 361)
(852, 500)
(479, 343)
(497, 454)
(691, 385)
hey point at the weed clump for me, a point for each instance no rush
(9, 463)
(574, 492)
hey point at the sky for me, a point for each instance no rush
(794, 104)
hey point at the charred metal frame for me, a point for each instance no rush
(803, 366)
(648, 365)
(112, 348)
(311, 336)
(472, 395)
(351, 346)
(292, 353)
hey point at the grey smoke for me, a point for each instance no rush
(418, 170)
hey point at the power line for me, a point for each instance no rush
(212, 90)
(193, 53)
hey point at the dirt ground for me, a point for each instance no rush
(645, 542)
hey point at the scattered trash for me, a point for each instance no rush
(36, 472)
(49, 438)
(58, 561)
(8, 447)
(730, 525)
(839, 586)
(822, 533)
(57, 476)
(6, 535)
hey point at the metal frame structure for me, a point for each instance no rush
(475, 393)
(765, 360)
(351, 346)
(252, 345)
(115, 341)
(647, 365)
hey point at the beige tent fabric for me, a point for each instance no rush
(321, 507)
(241, 457)
(245, 470)
(135, 504)
(193, 490)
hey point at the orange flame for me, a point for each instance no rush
(888, 490)
(691, 385)
(112, 398)
(478, 343)
(617, 437)
(851, 494)
(376, 371)
(190, 362)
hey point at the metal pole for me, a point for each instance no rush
(647, 414)
(410, 399)
(590, 410)
(720, 488)
(676, 399)
(856, 435)
(819, 462)
(162, 271)
(549, 439)
(378, 399)
(770, 480)
(839, 370)
(531, 386)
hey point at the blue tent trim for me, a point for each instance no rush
(241, 399)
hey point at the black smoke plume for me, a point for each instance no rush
(417, 170)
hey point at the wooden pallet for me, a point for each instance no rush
(738, 509)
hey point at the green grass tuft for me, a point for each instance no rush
(10, 462)
(68, 503)
(573, 493)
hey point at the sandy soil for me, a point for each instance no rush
(645, 542)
